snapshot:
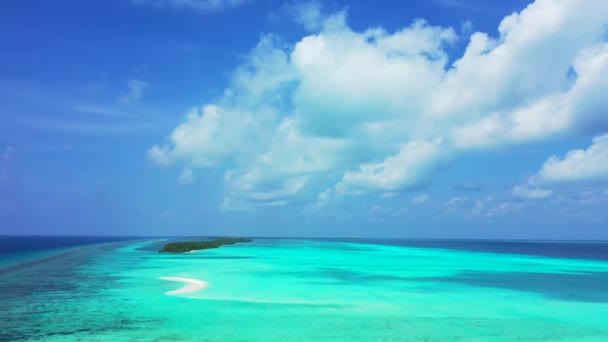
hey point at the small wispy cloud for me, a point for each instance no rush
(389, 194)
(5, 161)
(197, 5)
(530, 190)
(135, 91)
(7, 155)
(306, 13)
(420, 199)
(455, 201)
(78, 126)
(470, 5)
(78, 113)
(468, 186)
(186, 177)
(105, 111)
(46, 148)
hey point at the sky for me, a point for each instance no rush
(418, 119)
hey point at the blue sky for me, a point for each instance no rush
(442, 119)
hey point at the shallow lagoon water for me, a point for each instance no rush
(304, 290)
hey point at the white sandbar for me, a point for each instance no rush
(192, 285)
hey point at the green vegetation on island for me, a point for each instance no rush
(188, 246)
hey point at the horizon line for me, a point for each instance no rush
(307, 237)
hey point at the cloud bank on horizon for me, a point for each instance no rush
(343, 113)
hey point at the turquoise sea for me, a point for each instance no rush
(306, 290)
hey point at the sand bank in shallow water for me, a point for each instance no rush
(192, 285)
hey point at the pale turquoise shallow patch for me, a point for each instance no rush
(298, 290)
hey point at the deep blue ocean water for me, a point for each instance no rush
(17, 244)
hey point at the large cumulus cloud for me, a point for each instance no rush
(342, 112)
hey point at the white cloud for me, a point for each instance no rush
(490, 207)
(186, 176)
(469, 186)
(160, 155)
(209, 136)
(420, 199)
(540, 119)
(502, 209)
(389, 194)
(134, 93)
(530, 191)
(307, 14)
(5, 161)
(478, 208)
(105, 111)
(344, 112)
(358, 83)
(579, 165)
(455, 201)
(468, 5)
(198, 5)
(379, 213)
(7, 155)
(83, 127)
(256, 189)
(405, 169)
(577, 170)
(516, 87)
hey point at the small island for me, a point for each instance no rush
(189, 246)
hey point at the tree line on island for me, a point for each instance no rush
(188, 246)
